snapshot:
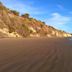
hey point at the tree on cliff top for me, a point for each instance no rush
(15, 12)
(26, 15)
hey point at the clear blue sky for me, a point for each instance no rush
(57, 13)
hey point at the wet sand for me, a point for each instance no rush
(36, 55)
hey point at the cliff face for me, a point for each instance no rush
(13, 25)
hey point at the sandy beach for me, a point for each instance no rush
(36, 55)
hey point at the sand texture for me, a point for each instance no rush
(36, 55)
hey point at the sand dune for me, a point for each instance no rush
(36, 55)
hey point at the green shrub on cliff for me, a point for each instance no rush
(25, 15)
(15, 12)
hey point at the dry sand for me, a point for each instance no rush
(36, 55)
